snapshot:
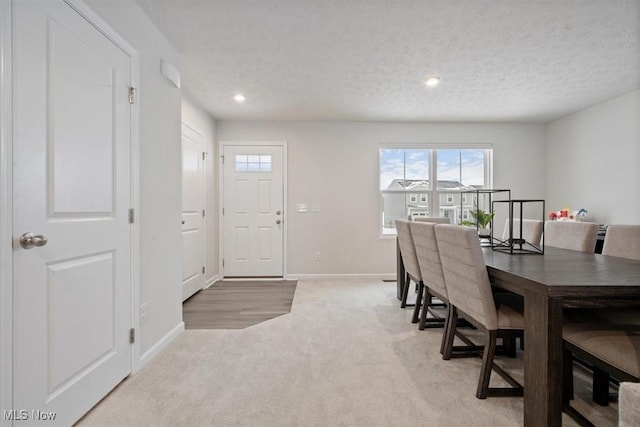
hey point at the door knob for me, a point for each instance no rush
(28, 240)
(278, 221)
(277, 212)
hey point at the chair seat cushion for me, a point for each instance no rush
(615, 344)
(510, 310)
(508, 318)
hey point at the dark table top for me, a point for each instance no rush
(565, 273)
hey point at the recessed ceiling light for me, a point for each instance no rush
(433, 81)
(240, 97)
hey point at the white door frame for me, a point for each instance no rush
(285, 203)
(204, 193)
(6, 212)
(6, 186)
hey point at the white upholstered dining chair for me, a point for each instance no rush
(424, 239)
(432, 219)
(470, 295)
(409, 260)
(629, 405)
(608, 339)
(622, 241)
(576, 236)
(422, 307)
(531, 230)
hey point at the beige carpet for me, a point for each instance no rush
(345, 355)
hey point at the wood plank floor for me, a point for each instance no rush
(237, 305)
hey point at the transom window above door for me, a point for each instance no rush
(407, 174)
(252, 163)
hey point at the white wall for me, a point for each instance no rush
(592, 161)
(336, 164)
(160, 172)
(195, 117)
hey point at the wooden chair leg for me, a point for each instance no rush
(450, 333)
(600, 387)
(447, 319)
(425, 305)
(567, 376)
(405, 292)
(509, 345)
(487, 365)
(416, 310)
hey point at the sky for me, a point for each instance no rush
(414, 164)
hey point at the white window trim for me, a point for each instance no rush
(434, 204)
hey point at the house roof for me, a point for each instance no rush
(423, 185)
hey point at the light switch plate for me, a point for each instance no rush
(315, 207)
(302, 208)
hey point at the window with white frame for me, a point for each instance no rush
(407, 174)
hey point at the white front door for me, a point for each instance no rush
(72, 296)
(253, 211)
(192, 211)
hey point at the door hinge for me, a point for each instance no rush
(223, 262)
(222, 157)
(222, 211)
(203, 212)
(132, 217)
(203, 269)
(132, 95)
(132, 335)
(203, 155)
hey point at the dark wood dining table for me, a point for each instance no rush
(550, 283)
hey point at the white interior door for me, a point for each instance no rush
(72, 297)
(192, 211)
(253, 211)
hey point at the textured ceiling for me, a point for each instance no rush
(367, 60)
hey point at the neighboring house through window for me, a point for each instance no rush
(407, 174)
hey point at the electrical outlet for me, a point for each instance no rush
(316, 256)
(144, 312)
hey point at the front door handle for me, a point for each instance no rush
(28, 240)
(278, 221)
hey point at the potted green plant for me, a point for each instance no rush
(480, 220)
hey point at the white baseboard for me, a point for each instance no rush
(389, 276)
(212, 280)
(150, 354)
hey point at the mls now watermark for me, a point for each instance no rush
(28, 415)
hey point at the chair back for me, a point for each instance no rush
(576, 236)
(407, 250)
(424, 240)
(531, 230)
(628, 398)
(622, 241)
(465, 273)
(434, 219)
